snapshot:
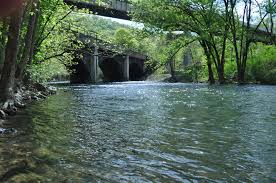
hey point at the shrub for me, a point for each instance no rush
(262, 64)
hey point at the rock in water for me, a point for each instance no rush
(2, 115)
(40, 87)
(11, 111)
(7, 130)
(52, 90)
(2, 130)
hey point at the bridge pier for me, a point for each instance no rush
(126, 68)
(188, 60)
(94, 66)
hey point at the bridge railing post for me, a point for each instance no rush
(121, 5)
(124, 6)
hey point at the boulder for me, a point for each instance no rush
(41, 95)
(2, 115)
(40, 87)
(52, 90)
(11, 111)
(7, 130)
(19, 105)
(34, 97)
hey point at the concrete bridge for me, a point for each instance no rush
(93, 68)
(99, 61)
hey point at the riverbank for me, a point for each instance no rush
(182, 78)
(24, 95)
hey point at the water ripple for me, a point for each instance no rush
(147, 132)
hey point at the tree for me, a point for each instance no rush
(270, 21)
(244, 32)
(29, 39)
(198, 17)
(8, 76)
(3, 37)
(124, 38)
(29, 34)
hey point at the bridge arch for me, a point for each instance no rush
(136, 71)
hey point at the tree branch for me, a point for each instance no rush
(48, 34)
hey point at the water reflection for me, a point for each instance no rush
(146, 132)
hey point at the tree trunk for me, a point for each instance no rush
(27, 76)
(219, 61)
(11, 51)
(3, 43)
(211, 78)
(28, 40)
(221, 74)
(242, 67)
(241, 74)
(241, 51)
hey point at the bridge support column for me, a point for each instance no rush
(126, 68)
(94, 66)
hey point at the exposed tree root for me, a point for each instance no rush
(24, 95)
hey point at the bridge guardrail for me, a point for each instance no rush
(121, 5)
(94, 38)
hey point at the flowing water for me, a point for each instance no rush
(145, 132)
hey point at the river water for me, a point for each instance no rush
(145, 132)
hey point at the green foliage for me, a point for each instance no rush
(92, 24)
(230, 69)
(53, 44)
(262, 64)
(52, 38)
(124, 38)
(45, 71)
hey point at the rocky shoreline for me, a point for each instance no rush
(23, 96)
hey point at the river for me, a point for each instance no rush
(145, 132)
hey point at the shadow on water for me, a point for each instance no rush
(145, 132)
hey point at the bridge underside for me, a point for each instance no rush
(113, 69)
(99, 10)
(79, 72)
